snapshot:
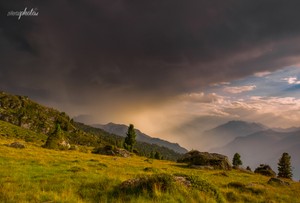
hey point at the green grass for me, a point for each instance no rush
(35, 174)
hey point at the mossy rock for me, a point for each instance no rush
(204, 159)
(265, 170)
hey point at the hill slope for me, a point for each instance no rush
(21, 111)
(143, 148)
(121, 130)
(42, 175)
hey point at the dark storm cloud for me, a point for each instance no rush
(137, 48)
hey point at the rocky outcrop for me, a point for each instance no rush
(265, 170)
(277, 181)
(21, 111)
(17, 145)
(112, 151)
(198, 159)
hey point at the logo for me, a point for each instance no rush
(25, 12)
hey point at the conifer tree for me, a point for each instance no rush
(54, 139)
(130, 138)
(236, 161)
(284, 166)
(157, 155)
(152, 155)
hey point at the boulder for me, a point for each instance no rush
(198, 159)
(17, 145)
(122, 152)
(183, 180)
(265, 170)
(64, 144)
(277, 181)
(112, 151)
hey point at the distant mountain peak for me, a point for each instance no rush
(227, 132)
(235, 123)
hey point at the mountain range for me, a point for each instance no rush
(119, 129)
(257, 144)
(225, 133)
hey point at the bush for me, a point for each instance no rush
(149, 184)
(265, 170)
(232, 197)
(206, 187)
(74, 148)
(109, 147)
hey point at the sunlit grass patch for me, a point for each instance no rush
(35, 174)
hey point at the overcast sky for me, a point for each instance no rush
(157, 64)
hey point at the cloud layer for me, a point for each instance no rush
(117, 60)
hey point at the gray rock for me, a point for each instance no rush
(204, 159)
(17, 145)
(112, 151)
(183, 181)
(265, 170)
(64, 144)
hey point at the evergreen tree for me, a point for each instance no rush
(54, 139)
(130, 139)
(236, 161)
(152, 155)
(157, 155)
(284, 166)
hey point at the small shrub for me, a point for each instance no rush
(108, 147)
(135, 151)
(206, 187)
(149, 184)
(100, 191)
(232, 197)
(29, 139)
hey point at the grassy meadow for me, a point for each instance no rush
(35, 174)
